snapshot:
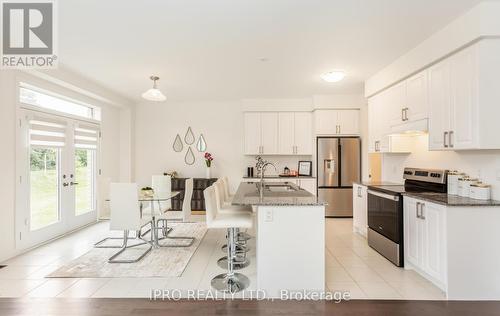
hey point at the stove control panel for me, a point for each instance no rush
(426, 175)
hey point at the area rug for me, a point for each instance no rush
(162, 262)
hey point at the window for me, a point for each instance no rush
(37, 97)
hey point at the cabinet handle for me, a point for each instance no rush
(418, 205)
(406, 114)
(444, 139)
(360, 192)
(422, 216)
(339, 129)
(449, 139)
(402, 114)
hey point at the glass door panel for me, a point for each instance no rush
(84, 181)
(44, 187)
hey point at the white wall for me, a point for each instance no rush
(483, 164)
(157, 124)
(221, 122)
(111, 146)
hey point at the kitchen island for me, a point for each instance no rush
(290, 236)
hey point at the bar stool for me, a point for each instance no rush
(231, 282)
(228, 198)
(240, 260)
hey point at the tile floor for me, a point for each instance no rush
(351, 265)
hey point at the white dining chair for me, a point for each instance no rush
(162, 186)
(126, 216)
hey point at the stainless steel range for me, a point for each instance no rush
(385, 210)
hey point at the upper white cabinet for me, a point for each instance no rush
(261, 133)
(463, 99)
(380, 139)
(278, 133)
(407, 101)
(295, 133)
(303, 133)
(337, 122)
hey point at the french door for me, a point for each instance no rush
(57, 168)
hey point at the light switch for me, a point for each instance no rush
(268, 216)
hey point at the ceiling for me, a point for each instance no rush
(234, 49)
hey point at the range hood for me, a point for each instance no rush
(415, 127)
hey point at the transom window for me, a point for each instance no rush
(37, 97)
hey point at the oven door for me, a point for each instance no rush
(385, 214)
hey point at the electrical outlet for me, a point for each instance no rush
(268, 216)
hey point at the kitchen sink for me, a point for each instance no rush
(280, 187)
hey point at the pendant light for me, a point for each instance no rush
(154, 94)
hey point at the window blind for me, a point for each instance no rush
(47, 132)
(87, 136)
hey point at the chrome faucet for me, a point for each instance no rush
(263, 170)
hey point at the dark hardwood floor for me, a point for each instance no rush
(100, 307)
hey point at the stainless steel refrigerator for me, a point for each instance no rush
(338, 166)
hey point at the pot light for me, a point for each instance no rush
(154, 94)
(333, 76)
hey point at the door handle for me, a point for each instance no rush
(445, 134)
(73, 183)
(418, 205)
(449, 139)
(65, 184)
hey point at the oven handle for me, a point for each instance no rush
(385, 196)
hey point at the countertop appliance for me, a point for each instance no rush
(338, 166)
(385, 210)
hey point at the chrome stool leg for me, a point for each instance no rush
(230, 282)
(239, 260)
(100, 243)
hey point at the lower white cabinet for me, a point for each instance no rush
(425, 239)
(360, 209)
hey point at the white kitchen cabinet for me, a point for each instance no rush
(417, 102)
(308, 184)
(261, 133)
(303, 133)
(439, 105)
(295, 133)
(337, 122)
(269, 128)
(434, 241)
(395, 99)
(286, 133)
(360, 209)
(379, 138)
(463, 102)
(253, 140)
(424, 236)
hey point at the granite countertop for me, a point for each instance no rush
(278, 177)
(450, 200)
(249, 193)
(368, 183)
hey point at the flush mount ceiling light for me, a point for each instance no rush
(333, 76)
(154, 94)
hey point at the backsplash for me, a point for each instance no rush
(281, 162)
(482, 164)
